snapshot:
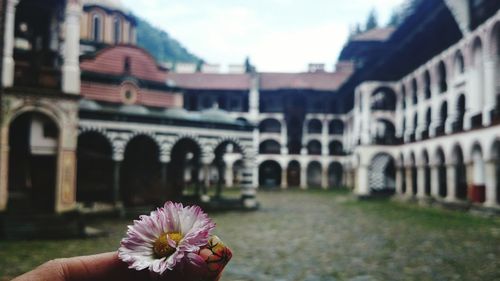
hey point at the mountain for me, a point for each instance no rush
(159, 43)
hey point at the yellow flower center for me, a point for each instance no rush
(161, 248)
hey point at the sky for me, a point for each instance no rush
(277, 35)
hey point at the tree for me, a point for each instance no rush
(371, 21)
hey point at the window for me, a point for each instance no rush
(97, 28)
(117, 30)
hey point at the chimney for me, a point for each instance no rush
(316, 67)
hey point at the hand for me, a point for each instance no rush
(105, 267)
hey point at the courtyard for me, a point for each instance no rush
(319, 235)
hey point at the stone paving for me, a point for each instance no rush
(320, 236)
(303, 236)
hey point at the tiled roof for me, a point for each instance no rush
(320, 81)
(111, 60)
(210, 81)
(377, 34)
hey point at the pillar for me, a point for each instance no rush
(303, 176)
(489, 89)
(491, 184)
(8, 47)
(324, 138)
(116, 182)
(435, 181)
(284, 178)
(284, 138)
(71, 52)
(409, 181)
(228, 174)
(362, 188)
(451, 188)
(421, 181)
(324, 176)
(399, 181)
(248, 189)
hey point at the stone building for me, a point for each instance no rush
(90, 120)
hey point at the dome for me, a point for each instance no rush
(217, 115)
(180, 113)
(89, 105)
(134, 109)
(110, 4)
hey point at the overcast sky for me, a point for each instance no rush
(277, 35)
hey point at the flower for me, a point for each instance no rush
(170, 236)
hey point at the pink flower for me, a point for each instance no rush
(169, 236)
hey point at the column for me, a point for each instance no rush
(71, 66)
(164, 174)
(435, 181)
(491, 184)
(324, 176)
(399, 181)
(116, 182)
(248, 189)
(451, 189)
(303, 176)
(8, 48)
(421, 181)
(228, 174)
(324, 138)
(409, 182)
(284, 178)
(253, 99)
(489, 89)
(284, 138)
(362, 188)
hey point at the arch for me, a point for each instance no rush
(477, 192)
(427, 173)
(270, 125)
(314, 174)
(314, 147)
(477, 77)
(414, 91)
(33, 161)
(293, 173)
(427, 84)
(402, 172)
(97, 27)
(314, 126)
(458, 63)
(336, 148)
(413, 169)
(443, 116)
(383, 98)
(460, 173)
(94, 169)
(117, 29)
(441, 167)
(458, 125)
(270, 147)
(496, 158)
(335, 174)
(184, 168)
(269, 174)
(140, 173)
(428, 120)
(385, 132)
(336, 127)
(226, 151)
(382, 174)
(442, 77)
(403, 96)
(415, 126)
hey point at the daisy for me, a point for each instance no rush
(170, 236)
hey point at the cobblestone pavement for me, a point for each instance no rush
(304, 236)
(319, 236)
